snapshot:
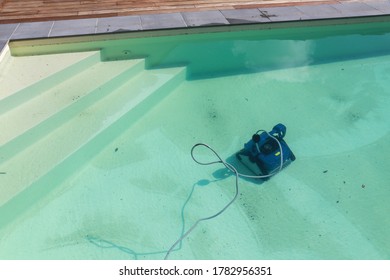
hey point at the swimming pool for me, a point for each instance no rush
(96, 153)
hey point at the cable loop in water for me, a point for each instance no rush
(237, 175)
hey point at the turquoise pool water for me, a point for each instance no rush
(124, 185)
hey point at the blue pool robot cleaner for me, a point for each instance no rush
(264, 155)
(267, 152)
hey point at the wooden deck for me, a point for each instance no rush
(12, 11)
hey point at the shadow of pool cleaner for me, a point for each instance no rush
(262, 157)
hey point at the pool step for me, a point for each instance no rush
(20, 137)
(10, 99)
(33, 110)
(45, 163)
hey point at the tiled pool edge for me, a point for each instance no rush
(184, 20)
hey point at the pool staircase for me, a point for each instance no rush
(54, 126)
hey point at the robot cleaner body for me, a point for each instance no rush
(266, 153)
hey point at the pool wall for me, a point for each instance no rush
(275, 47)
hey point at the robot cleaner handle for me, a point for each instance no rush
(279, 129)
(256, 138)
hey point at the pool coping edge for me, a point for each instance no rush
(190, 22)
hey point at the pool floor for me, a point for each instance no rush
(129, 195)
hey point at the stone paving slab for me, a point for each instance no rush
(3, 43)
(243, 16)
(6, 30)
(73, 27)
(380, 5)
(192, 19)
(33, 30)
(206, 18)
(162, 21)
(355, 9)
(278, 14)
(322, 11)
(118, 24)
